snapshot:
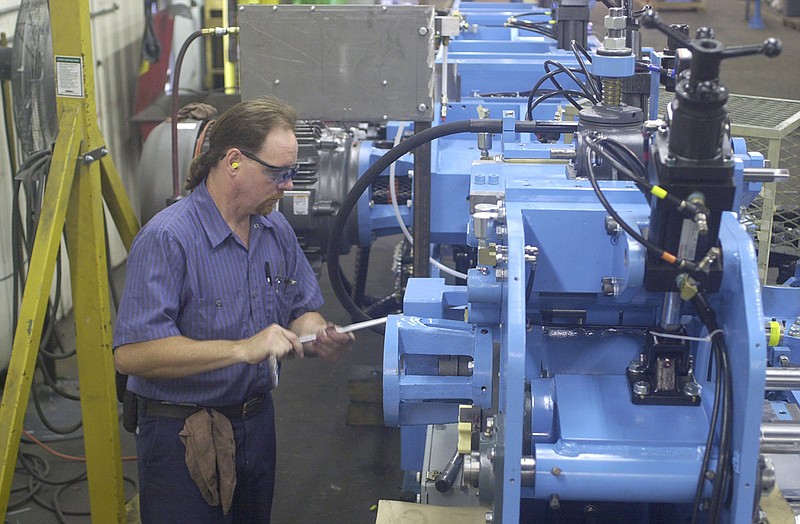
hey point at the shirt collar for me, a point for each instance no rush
(215, 227)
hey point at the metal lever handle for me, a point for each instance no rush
(771, 47)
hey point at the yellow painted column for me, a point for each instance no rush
(81, 175)
(74, 59)
(28, 332)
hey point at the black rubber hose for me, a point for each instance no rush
(176, 79)
(375, 170)
(724, 461)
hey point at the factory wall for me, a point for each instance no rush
(117, 28)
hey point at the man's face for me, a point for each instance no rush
(265, 186)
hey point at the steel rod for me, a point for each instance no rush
(782, 379)
(780, 438)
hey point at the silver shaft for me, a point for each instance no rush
(346, 329)
(780, 438)
(782, 379)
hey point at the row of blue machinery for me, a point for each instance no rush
(601, 347)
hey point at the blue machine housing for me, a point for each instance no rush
(567, 343)
(542, 338)
(492, 68)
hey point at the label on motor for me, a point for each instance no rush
(300, 203)
(688, 243)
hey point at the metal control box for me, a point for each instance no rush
(340, 62)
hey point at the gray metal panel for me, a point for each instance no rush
(340, 62)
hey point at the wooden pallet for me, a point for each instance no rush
(791, 21)
(695, 5)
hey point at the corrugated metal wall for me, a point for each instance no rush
(117, 28)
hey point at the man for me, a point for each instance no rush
(217, 291)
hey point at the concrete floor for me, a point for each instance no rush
(331, 472)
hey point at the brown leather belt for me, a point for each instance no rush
(157, 408)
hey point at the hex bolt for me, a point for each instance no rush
(556, 471)
(635, 367)
(423, 31)
(692, 389)
(641, 388)
(422, 108)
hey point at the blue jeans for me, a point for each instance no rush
(167, 494)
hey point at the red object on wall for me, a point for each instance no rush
(153, 76)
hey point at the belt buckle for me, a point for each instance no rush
(250, 406)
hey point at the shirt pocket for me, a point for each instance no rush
(223, 316)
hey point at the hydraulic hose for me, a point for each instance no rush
(176, 79)
(374, 171)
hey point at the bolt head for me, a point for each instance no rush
(692, 389)
(635, 367)
(641, 387)
(422, 31)
(614, 43)
(614, 22)
(422, 108)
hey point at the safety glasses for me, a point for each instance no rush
(278, 174)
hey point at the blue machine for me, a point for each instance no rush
(608, 353)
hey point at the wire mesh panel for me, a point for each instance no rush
(784, 249)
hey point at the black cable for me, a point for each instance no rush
(569, 72)
(33, 485)
(619, 164)
(176, 78)
(529, 287)
(627, 163)
(544, 97)
(690, 266)
(549, 75)
(578, 50)
(41, 477)
(60, 513)
(530, 13)
(698, 493)
(532, 27)
(724, 462)
(50, 381)
(374, 171)
(37, 404)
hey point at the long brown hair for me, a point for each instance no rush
(245, 125)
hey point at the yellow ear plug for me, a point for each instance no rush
(235, 165)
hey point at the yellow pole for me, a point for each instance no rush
(228, 67)
(81, 175)
(34, 300)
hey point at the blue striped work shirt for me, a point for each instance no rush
(188, 274)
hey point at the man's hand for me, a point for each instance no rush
(274, 340)
(330, 344)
